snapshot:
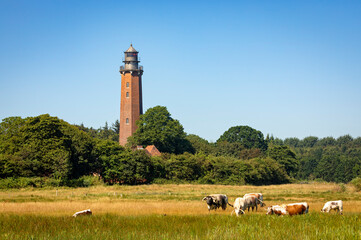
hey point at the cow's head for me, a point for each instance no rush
(270, 210)
(209, 200)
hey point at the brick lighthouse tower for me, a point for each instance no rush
(131, 103)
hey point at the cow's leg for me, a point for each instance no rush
(237, 212)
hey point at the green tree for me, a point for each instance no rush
(224, 170)
(309, 141)
(157, 127)
(328, 164)
(344, 140)
(245, 135)
(285, 157)
(357, 142)
(292, 142)
(308, 163)
(44, 146)
(230, 149)
(265, 171)
(124, 166)
(183, 167)
(199, 144)
(105, 133)
(327, 141)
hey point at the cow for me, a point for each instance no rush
(215, 201)
(290, 209)
(333, 205)
(297, 208)
(276, 209)
(240, 204)
(259, 196)
(83, 213)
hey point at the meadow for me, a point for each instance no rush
(174, 211)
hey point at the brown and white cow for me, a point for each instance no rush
(333, 205)
(241, 204)
(215, 201)
(259, 196)
(289, 209)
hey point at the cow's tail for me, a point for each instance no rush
(229, 204)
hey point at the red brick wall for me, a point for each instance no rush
(130, 107)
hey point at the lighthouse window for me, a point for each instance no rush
(131, 54)
(127, 121)
(127, 84)
(127, 94)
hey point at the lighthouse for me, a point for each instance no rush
(131, 103)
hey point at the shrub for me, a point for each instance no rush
(356, 182)
(87, 181)
(21, 182)
(41, 182)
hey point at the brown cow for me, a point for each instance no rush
(297, 208)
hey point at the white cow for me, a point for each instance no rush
(333, 205)
(240, 204)
(83, 213)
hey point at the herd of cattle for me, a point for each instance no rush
(252, 200)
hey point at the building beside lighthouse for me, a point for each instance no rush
(131, 102)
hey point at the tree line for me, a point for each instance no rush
(44, 150)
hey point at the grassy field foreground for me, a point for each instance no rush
(173, 211)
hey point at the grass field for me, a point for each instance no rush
(173, 212)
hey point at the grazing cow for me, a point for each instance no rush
(333, 205)
(240, 204)
(276, 209)
(259, 196)
(215, 201)
(297, 208)
(290, 209)
(83, 213)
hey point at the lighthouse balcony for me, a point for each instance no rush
(122, 68)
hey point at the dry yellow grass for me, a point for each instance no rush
(126, 207)
(182, 199)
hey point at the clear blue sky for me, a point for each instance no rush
(286, 68)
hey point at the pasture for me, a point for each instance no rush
(174, 211)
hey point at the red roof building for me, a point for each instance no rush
(152, 151)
